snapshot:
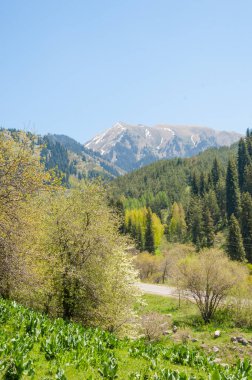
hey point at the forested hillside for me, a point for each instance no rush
(193, 198)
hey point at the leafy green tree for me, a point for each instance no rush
(235, 247)
(79, 261)
(177, 225)
(208, 278)
(233, 201)
(22, 176)
(157, 231)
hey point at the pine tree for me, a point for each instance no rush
(149, 239)
(243, 160)
(233, 201)
(215, 172)
(202, 185)
(195, 221)
(248, 179)
(195, 184)
(208, 228)
(246, 225)
(235, 247)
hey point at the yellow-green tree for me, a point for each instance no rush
(78, 260)
(177, 225)
(22, 176)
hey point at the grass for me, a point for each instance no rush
(185, 316)
(33, 346)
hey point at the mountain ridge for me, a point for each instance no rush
(130, 147)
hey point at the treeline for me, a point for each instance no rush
(222, 199)
(205, 195)
(60, 249)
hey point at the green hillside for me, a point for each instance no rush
(37, 347)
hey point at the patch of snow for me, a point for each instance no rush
(120, 126)
(194, 142)
(90, 142)
(147, 133)
(161, 142)
(170, 130)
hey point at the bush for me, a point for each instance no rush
(154, 326)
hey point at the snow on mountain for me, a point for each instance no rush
(132, 146)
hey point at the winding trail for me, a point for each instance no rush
(159, 290)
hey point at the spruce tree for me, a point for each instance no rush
(202, 184)
(235, 247)
(248, 179)
(215, 172)
(243, 160)
(208, 228)
(246, 225)
(149, 238)
(195, 184)
(195, 221)
(233, 200)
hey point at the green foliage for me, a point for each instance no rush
(235, 247)
(233, 200)
(145, 227)
(62, 350)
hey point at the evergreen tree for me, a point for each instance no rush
(215, 172)
(235, 247)
(208, 228)
(243, 160)
(195, 184)
(203, 184)
(149, 239)
(210, 202)
(246, 225)
(248, 179)
(233, 201)
(195, 221)
(249, 141)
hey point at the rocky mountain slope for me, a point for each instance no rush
(130, 147)
(83, 161)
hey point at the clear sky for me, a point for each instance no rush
(76, 66)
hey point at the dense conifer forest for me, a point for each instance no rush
(192, 200)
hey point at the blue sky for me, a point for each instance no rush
(76, 67)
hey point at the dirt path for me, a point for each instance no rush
(160, 290)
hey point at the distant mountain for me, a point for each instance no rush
(82, 161)
(131, 147)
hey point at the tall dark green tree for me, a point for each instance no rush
(195, 184)
(246, 225)
(149, 238)
(208, 228)
(233, 199)
(243, 160)
(235, 247)
(195, 222)
(247, 187)
(202, 184)
(215, 172)
(249, 141)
